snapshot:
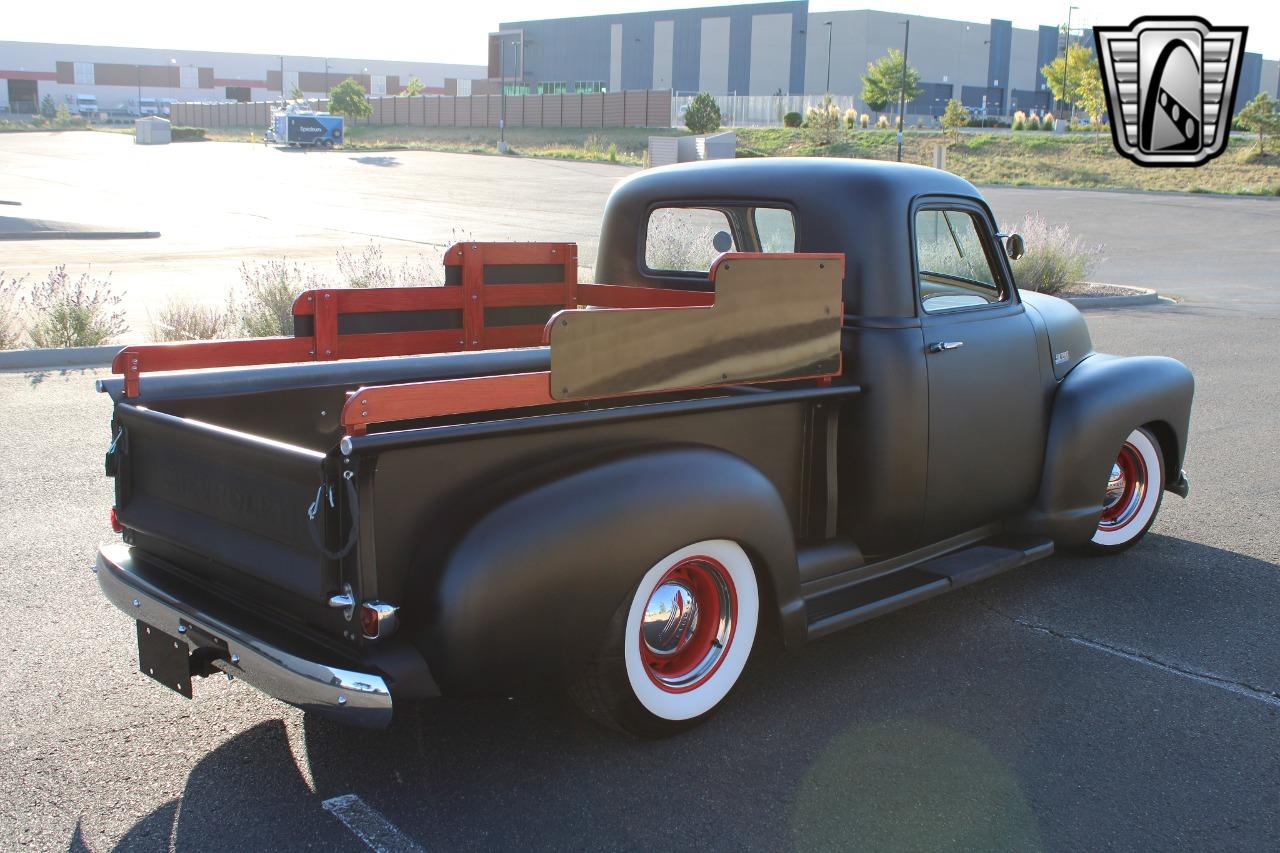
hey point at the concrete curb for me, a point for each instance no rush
(1141, 296)
(78, 235)
(45, 359)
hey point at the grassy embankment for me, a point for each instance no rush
(1026, 158)
(1030, 159)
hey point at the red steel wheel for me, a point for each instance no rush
(1133, 493)
(677, 644)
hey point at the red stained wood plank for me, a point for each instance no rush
(358, 301)
(500, 295)
(399, 343)
(627, 296)
(412, 400)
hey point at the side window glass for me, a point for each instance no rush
(776, 228)
(955, 271)
(686, 239)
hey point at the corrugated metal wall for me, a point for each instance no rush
(645, 108)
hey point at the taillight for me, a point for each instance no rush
(377, 619)
(115, 522)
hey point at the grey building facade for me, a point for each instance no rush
(783, 48)
(753, 49)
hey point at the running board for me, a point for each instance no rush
(839, 608)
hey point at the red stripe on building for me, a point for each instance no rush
(28, 75)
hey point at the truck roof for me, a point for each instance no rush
(858, 207)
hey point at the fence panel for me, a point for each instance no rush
(533, 111)
(635, 108)
(515, 111)
(571, 110)
(592, 110)
(552, 111)
(614, 109)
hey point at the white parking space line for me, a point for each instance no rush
(369, 826)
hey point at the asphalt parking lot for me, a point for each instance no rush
(1078, 704)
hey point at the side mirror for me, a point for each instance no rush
(1014, 246)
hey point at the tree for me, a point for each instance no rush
(955, 116)
(703, 115)
(823, 122)
(882, 84)
(1075, 79)
(48, 108)
(347, 99)
(415, 87)
(297, 94)
(1260, 115)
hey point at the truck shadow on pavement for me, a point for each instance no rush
(968, 722)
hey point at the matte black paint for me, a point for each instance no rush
(581, 542)
(1096, 407)
(509, 539)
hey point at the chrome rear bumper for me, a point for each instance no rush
(354, 698)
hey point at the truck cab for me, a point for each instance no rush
(800, 394)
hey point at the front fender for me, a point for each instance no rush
(529, 590)
(1094, 409)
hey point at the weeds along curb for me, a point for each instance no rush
(57, 357)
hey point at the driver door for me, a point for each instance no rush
(986, 410)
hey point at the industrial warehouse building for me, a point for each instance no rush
(783, 49)
(116, 77)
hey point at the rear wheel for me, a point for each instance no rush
(1132, 499)
(677, 644)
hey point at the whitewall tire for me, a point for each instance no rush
(677, 644)
(1133, 493)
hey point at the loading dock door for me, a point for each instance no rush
(238, 93)
(23, 96)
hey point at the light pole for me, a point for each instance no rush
(326, 77)
(830, 30)
(502, 85)
(902, 95)
(283, 97)
(1066, 57)
(138, 68)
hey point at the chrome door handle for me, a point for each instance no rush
(943, 346)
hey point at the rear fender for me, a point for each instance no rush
(1095, 408)
(529, 590)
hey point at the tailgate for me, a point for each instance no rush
(231, 505)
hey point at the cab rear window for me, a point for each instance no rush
(686, 240)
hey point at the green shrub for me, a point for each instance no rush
(792, 120)
(186, 134)
(851, 118)
(1033, 123)
(10, 305)
(865, 120)
(183, 320)
(263, 308)
(80, 313)
(1053, 258)
(703, 114)
(954, 116)
(823, 122)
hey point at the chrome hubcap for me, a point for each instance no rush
(1126, 489)
(1115, 486)
(670, 618)
(687, 625)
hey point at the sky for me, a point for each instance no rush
(456, 32)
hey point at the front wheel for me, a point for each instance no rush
(677, 644)
(1133, 494)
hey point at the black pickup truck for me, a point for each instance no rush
(809, 394)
